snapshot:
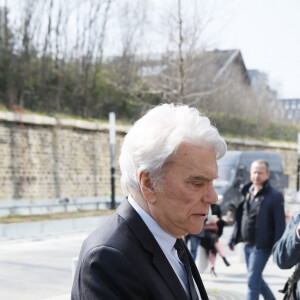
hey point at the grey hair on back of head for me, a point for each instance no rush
(155, 137)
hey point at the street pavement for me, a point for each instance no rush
(40, 268)
(231, 282)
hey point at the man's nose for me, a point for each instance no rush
(211, 195)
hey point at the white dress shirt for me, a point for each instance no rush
(166, 243)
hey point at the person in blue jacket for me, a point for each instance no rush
(260, 222)
(286, 251)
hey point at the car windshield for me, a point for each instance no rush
(226, 174)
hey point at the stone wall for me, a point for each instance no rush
(44, 157)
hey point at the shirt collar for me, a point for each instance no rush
(163, 238)
(251, 189)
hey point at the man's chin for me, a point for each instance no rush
(197, 230)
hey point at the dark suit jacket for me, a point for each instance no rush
(122, 260)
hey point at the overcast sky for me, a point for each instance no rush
(266, 31)
(268, 34)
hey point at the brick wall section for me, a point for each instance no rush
(44, 157)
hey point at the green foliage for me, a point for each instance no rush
(88, 88)
(249, 127)
(285, 132)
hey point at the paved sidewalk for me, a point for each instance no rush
(231, 282)
(46, 261)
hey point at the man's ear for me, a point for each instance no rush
(146, 186)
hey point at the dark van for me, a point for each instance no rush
(233, 174)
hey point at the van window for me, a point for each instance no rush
(227, 166)
(226, 174)
(230, 158)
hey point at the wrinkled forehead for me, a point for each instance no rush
(194, 157)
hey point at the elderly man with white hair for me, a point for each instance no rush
(168, 164)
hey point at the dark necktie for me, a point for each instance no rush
(185, 260)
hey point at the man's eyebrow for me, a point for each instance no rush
(202, 178)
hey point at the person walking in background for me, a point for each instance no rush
(286, 253)
(168, 164)
(195, 239)
(194, 242)
(210, 240)
(260, 222)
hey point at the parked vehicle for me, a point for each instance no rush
(233, 174)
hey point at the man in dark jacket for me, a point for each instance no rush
(260, 222)
(286, 251)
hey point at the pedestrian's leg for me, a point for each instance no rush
(220, 250)
(265, 291)
(247, 250)
(212, 261)
(195, 242)
(252, 275)
(256, 263)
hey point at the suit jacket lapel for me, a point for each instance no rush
(197, 277)
(164, 268)
(127, 212)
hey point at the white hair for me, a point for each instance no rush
(155, 137)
